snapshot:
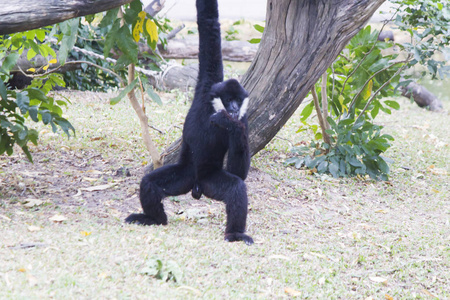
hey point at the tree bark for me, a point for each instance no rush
(188, 48)
(422, 96)
(301, 39)
(22, 15)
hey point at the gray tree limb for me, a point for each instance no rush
(422, 96)
(22, 15)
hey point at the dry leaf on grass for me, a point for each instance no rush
(292, 292)
(90, 179)
(5, 218)
(387, 297)
(32, 280)
(96, 172)
(321, 280)
(33, 228)
(379, 279)
(32, 202)
(57, 218)
(278, 256)
(98, 187)
(436, 171)
(429, 294)
(195, 291)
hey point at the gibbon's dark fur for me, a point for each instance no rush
(216, 123)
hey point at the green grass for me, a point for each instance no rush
(316, 237)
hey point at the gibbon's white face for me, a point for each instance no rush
(237, 108)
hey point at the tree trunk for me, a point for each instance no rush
(22, 15)
(422, 96)
(301, 39)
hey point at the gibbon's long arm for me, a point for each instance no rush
(210, 49)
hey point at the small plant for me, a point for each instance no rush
(231, 33)
(350, 96)
(164, 271)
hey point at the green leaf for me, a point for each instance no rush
(360, 122)
(111, 37)
(27, 153)
(306, 112)
(334, 170)
(322, 167)
(33, 135)
(33, 111)
(70, 31)
(254, 41)
(151, 93)
(259, 28)
(124, 92)
(3, 91)
(22, 102)
(9, 62)
(109, 18)
(393, 104)
(126, 44)
(382, 165)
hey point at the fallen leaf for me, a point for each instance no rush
(319, 255)
(103, 275)
(85, 233)
(278, 256)
(94, 172)
(292, 292)
(32, 202)
(429, 294)
(90, 179)
(23, 270)
(379, 280)
(387, 297)
(98, 187)
(438, 171)
(382, 211)
(57, 218)
(321, 280)
(195, 291)
(33, 228)
(5, 218)
(32, 280)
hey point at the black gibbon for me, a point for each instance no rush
(216, 123)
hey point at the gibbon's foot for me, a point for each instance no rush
(237, 236)
(196, 191)
(141, 219)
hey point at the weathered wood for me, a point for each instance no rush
(301, 39)
(422, 96)
(187, 48)
(22, 15)
(154, 7)
(179, 77)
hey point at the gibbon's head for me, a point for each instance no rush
(230, 96)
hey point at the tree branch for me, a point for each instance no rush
(326, 138)
(22, 15)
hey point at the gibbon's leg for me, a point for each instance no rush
(171, 180)
(230, 189)
(238, 162)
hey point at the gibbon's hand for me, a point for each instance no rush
(223, 120)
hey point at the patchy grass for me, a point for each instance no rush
(316, 237)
